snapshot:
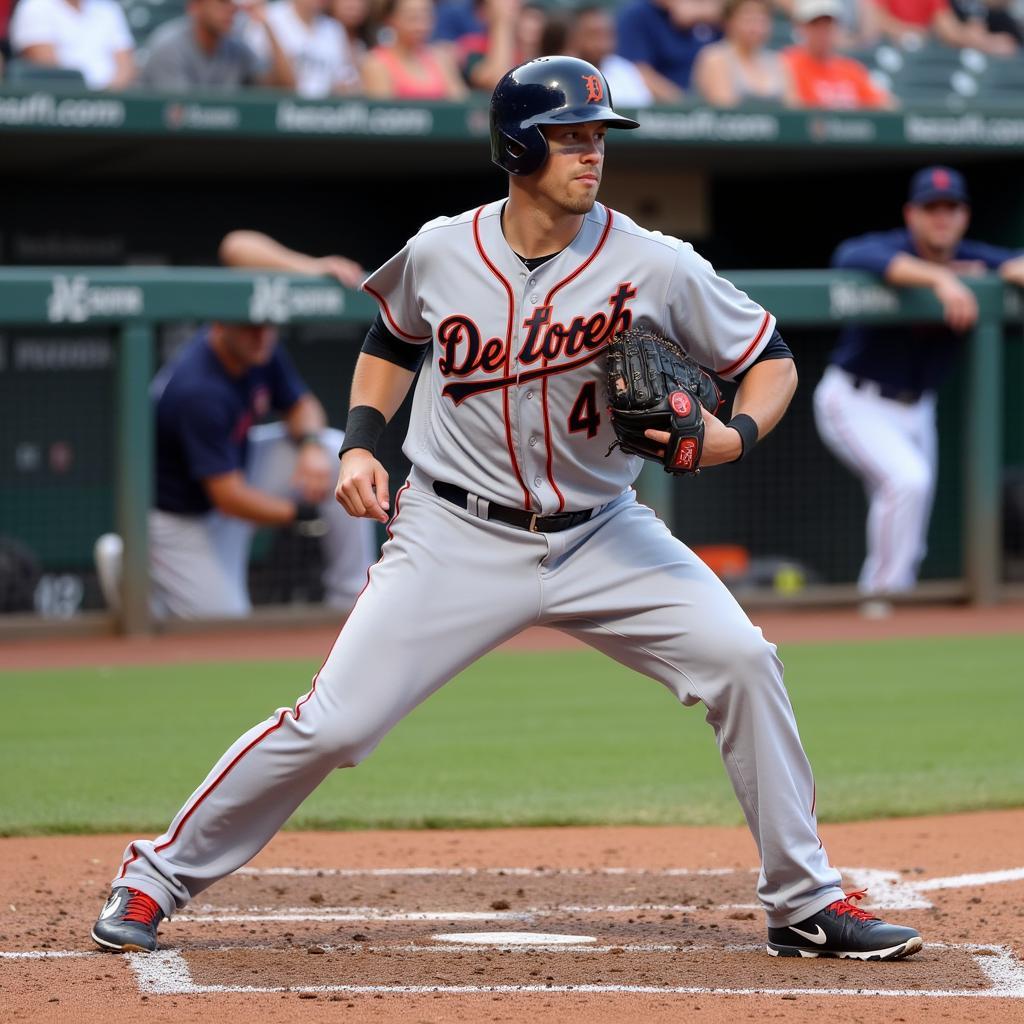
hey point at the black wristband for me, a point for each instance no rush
(745, 426)
(363, 429)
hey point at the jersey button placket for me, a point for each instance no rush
(532, 417)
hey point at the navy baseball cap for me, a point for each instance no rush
(936, 183)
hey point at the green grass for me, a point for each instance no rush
(892, 728)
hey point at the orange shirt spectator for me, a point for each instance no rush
(821, 77)
(838, 83)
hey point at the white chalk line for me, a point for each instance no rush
(471, 872)
(167, 973)
(236, 915)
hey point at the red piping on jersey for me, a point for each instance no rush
(391, 320)
(508, 353)
(732, 367)
(544, 386)
(296, 713)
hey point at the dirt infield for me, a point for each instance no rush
(661, 925)
(654, 924)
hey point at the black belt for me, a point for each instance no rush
(905, 396)
(525, 520)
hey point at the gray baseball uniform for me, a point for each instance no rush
(510, 414)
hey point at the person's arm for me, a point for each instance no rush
(501, 44)
(950, 30)
(376, 80)
(313, 465)
(281, 72)
(790, 93)
(233, 496)
(959, 306)
(124, 70)
(1012, 271)
(663, 89)
(261, 252)
(712, 79)
(381, 385)
(446, 61)
(40, 53)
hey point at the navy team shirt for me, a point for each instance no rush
(647, 35)
(203, 416)
(911, 358)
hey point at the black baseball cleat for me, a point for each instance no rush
(128, 922)
(844, 931)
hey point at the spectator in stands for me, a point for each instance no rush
(200, 50)
(316, 46)
(663, 37)
(875, 405)
(5, 46)
(511, 34)
(455, 19)
(912, 22)
(997, 18)
(89, 36)
(821, 77)
(590, 35)
(740, 68)
(409, 66)
(354, 18)
(857, 22)
(221, 474)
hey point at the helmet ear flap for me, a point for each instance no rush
(524, 152)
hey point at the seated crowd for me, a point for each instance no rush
(720, 52)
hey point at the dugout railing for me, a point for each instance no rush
(135, 302)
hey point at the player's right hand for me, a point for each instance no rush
(959, 306)
(363, 486)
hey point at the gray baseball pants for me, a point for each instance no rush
(621, 583)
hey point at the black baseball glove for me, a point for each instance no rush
(654, 385)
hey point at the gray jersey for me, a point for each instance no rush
(512, 406)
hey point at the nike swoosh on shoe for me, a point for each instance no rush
(818, 937)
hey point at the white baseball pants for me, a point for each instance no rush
(893, 448)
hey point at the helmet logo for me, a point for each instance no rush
(595, 88)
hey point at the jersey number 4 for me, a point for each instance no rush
(584, 414)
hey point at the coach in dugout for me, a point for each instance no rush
(221, 473)
(875, 405)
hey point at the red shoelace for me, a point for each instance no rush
(141, 908)
(844, 906)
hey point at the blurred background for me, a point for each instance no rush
(136, 134)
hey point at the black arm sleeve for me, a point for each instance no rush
(380, 342)
(775, 349)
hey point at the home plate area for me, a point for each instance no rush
(522, 930)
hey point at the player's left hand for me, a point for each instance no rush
(313, 478)
(721, 443)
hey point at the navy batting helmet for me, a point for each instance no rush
(548, 90)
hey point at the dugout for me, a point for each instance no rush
(141, 180)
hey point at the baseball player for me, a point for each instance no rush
(875, 404)
(517, 504)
